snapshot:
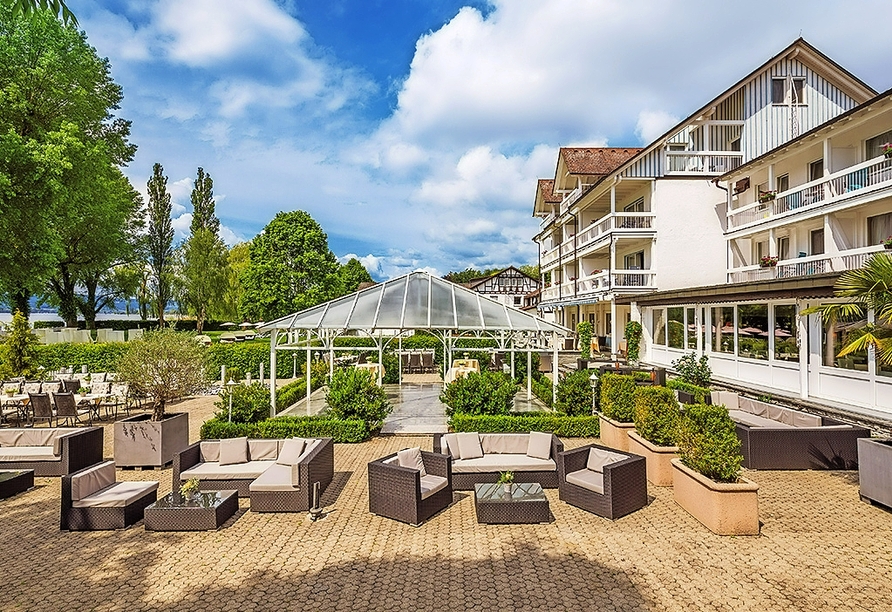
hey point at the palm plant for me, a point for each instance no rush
(869, 288)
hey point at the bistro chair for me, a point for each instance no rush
(40, 408)
(67, 408)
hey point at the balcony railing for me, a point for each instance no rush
(804, 266)
(549, 257)
(571, 198)
(702, 162)
(602, 281)
(620, 222)
(850, 182)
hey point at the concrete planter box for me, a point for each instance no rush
(615, 434)
(658, 459)
(141, 442)
(875, 470)
(725, 508)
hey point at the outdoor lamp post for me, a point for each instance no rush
(230, 386)
(593, 380)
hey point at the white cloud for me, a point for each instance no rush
(370, 262)
(653, 124)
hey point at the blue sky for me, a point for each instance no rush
(414, 130)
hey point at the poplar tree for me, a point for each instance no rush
(159, 241)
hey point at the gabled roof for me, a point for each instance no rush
(477, 281)
(546, 191)
(414, 301)
(597, 160)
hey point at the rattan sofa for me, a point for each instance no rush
(50, 451)
(778, 438)
(605, 482)
(502, 452)
(272, 487)
(92, 499)
(402, 494)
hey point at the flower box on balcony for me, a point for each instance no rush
(887, 149)
(887, 243)
(767, 196)
(768, 262)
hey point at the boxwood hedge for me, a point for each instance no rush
(560, 425)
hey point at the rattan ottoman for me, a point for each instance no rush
(13, 482)
(525, 504)
(202, 512)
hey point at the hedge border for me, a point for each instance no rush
(348, 431)
(560, 425)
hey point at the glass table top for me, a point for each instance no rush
(520, 492)
(204, 499)
(10, 474)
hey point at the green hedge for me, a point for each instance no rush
(558, 424)
(125, 324)
(350, 431)
(543, 389)
(656, 415)
(700, 393)
(483, 393)
(618, 397)
(708, 442)
(574, 393)
(99, 357)
(247, 357)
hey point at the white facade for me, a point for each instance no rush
(508, 287)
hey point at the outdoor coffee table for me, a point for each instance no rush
(525, 504)
(203, 511)
(13, 482)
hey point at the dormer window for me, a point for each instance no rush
(782, 93)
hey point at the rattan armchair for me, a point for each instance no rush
(396, 492)
(624, 483)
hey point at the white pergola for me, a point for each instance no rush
(417, 301)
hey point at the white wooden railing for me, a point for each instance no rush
(702, 162)
(571, 198)
(847, 183)
(602, 281)
(616, 222)
(803, 266)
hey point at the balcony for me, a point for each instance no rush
(804, 266)
(848, 184)
(702, 162)
(618, 223)
(571, 198)
(603, 282)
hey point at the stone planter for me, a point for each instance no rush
(725, 508)
(614, 433)
(141, 442)
(658, 459)
(874, 474)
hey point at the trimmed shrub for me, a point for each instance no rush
(700, 393)
(618, 397)
(633, 340)
(574, 394)
(98, 357)
(483, 393)
(520, 368)
(708, 442)
(692, 370)
(247, 357)
(561, 425)
(353, 394)
(250, 403)
(656, 415)
(349, 431)
(543, 389)
(584, 331)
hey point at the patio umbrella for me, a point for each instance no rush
(246, 324)
(782, 333)
(228, 324)
(751, 330)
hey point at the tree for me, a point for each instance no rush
(18, 353)
(531, 270)
(27, 8)
(57, 109)
(291, 268)
(160, 241)
(165, 365)
(237, 262)
(204, 256)
(469, 274)
(352, 274)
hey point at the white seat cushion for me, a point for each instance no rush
(212, 470)
(277, 478)
(598, 458)
(503, 463)
(28, 453)
(117, 495)
(745, 418)
(587, 479)
(430, 484)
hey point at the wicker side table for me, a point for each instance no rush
(205, 511)
(525, 504)
(13, 482)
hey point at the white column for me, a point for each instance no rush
(272, 372)
(613, 199)
(772, 242)
(803, 339)
(529, 375)
(614, 343)
(309, 378)
(554, 370)
(771, 178)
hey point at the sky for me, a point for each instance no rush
(414, 131)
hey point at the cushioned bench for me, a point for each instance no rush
(478, 458)
(50, 451)
(775, 437)
(277, 474)
(92, 499)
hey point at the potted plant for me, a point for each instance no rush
(767, 196)
(656, 422)
(886, 149)
(768, 261)
(887, 243)
(189, 488)
(706, 477)
(506, 479)
(584, 332)
(617, 404)
(164, 366)
(633, 342)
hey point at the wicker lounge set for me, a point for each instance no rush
(50, 451)
(411, 491)
(92, 499)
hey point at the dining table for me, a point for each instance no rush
(461, 367)
(15, 404)
(376, 369)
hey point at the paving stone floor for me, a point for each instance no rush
(820, 549)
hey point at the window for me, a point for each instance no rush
(838, 335)
(780, 94)
(691, 329)
(798, 91)
(518, 300)
(817, 242)
(782, 183)
(873, 144)
(785, 333)
(636, 206)
(659, 328)
(762, 188)
(675, 317)
(723, 329)
(634, 261)
(783, 248)
(816, 170)
(778, 91)
(879, 228)
(752, 333)
(761, 250)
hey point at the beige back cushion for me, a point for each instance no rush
(449, 445)
(263, 450)
(233, 450)
(37, 437)
(411, 458)
(469, 445)
(801, 419)
(598, 458)
(210, 450)
(292, 449)
(94, 479)
(10, 437)
(505, 443)
(729, 399)
(540, 445)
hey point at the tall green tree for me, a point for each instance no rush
(291, 268)
(159, 242)
(27, 8)
(238, 258)
(469, 274)
(203, 204)
(352, 274)
(57, 103)
(18, 352)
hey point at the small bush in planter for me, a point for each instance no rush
(618, 397)
(250, 403)
(353, 394)
(483, 393)
(574, 394)
(584, 331)
(700, 393)
(693, 371)
(707, 442)
(656, 415)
